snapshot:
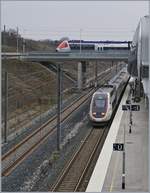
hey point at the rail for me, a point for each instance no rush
(12, 158)
(73, 174)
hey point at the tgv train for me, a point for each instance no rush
(106, 98)
(76, 45)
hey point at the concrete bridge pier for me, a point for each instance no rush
(96, 77)
(81, 73)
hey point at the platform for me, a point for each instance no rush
(107, 175)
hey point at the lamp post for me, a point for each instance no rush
(58, 105)
(80, 39)
(17, 40)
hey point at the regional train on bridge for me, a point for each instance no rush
(76, 45)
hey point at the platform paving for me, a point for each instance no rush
(107, 175)
(136, 154)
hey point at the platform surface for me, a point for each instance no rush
(136, 155)
(107, 175)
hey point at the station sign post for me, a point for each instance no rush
(118, 147)
(130, 107)
(121, 147)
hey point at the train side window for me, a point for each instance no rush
(113, 103)
(99, 48)
(112, 92)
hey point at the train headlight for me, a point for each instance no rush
(94, 114)
(102, 114)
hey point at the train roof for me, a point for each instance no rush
(105, 89)
(113, 83)
(99, 42)
(117, 79)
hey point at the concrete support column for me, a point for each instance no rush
(80, 76)
(84, 66)
(96, 77)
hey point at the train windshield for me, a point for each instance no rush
(100, 102)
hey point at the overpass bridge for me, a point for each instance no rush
(76, 56)
(45, 58)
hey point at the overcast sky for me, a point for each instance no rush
(94, 20)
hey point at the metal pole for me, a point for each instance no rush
(17, 39)
(80, 40)
(139, 60)
(6, 107)
(4, 28)
(130, 121)
(61, 84)
(123, 164)
(4, 35)
(130, 124)
(61, 94)
(40, 103)
(58, 106)
(23, 45)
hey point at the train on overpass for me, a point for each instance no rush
(99, 46)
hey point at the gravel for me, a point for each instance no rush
(40, 170)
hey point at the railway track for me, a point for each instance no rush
(12, 158)
(73, 175)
